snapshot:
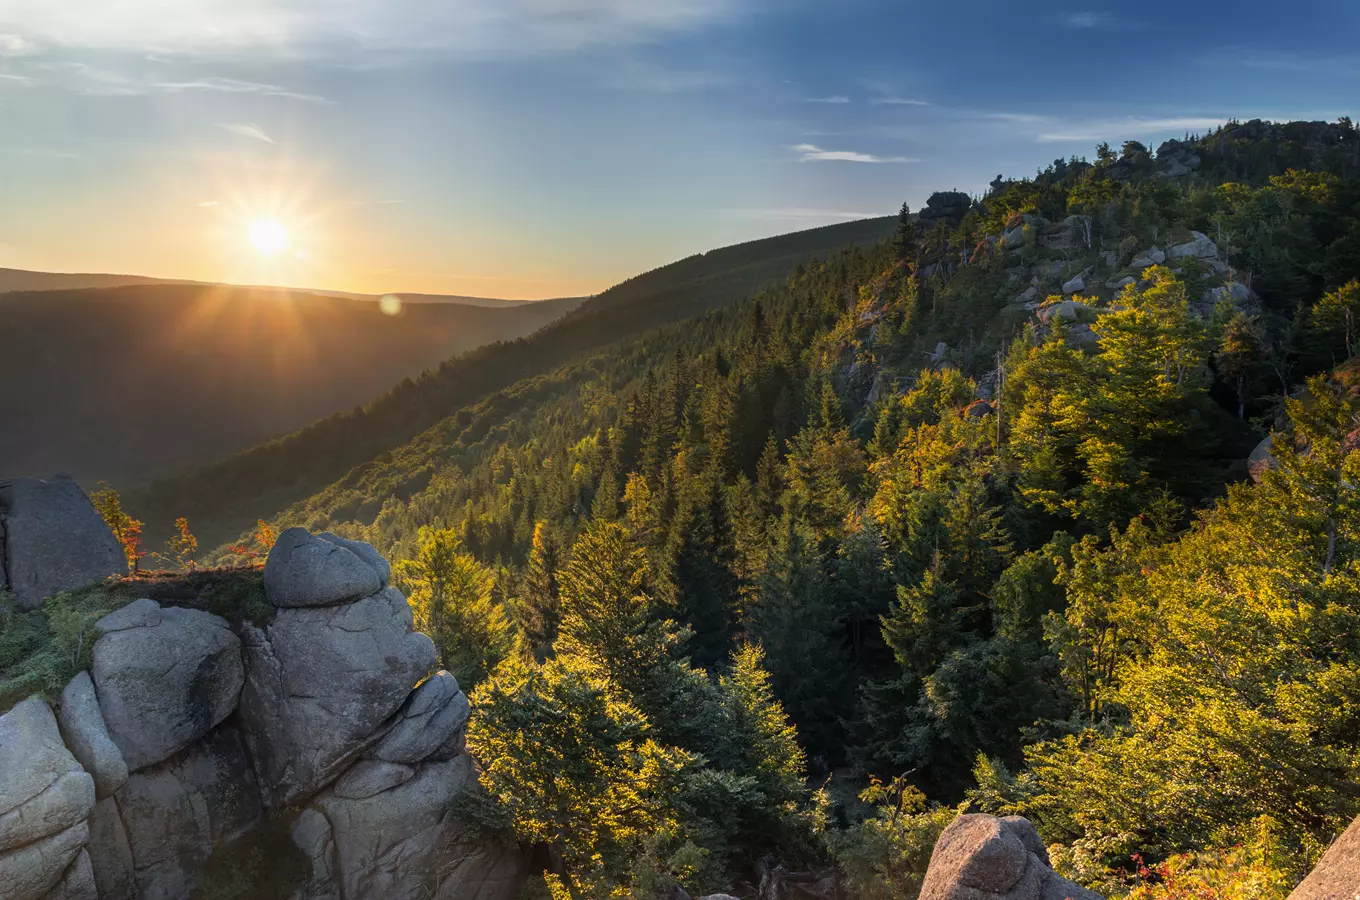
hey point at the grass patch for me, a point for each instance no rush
(42, 649)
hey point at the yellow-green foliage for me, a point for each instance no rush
(885, 857)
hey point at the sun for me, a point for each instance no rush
(268, 236)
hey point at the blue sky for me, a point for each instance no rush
(529, 148)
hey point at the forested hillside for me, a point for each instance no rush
(231, 494)
(962, 517)
(131, 382)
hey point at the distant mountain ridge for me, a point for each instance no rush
(125, 383)
(28, 280)
(226, 496)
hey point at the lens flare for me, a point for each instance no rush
(390, 304)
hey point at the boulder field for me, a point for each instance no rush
(189, 736)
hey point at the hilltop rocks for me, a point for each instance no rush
(309, 709)
(82, 726)
(949, 206)
(1151, 257)
(980, 857)
(1338, 872)
(45, 799)
(1199, 246)
(1176, 159)
(1067, 311)
(303, 571)
(1075, 284)
(164, 677)
(53, 539)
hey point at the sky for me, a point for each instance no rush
(539, 148)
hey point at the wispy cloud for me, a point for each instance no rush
(813, 153)
(1129, 128)
(208, 204)
(245, 129)
(835, 98)
(308, 28)
(897, 101)
(1087, 20)
(233, 86)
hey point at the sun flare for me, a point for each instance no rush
(268, 236)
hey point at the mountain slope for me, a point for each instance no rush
(229, 495)
(123, 383)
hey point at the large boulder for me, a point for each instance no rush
(945, 206)
(1199, 246)
(398, 843)
(53, 539)
(45, 798)
(82, 726)
(431, 725)
(322, 685)
(1337, 875)
(164, 678)
(981, 857)
(303, 570)
(1262, 460)
(175, 813)
(367, 552)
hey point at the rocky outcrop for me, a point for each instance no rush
(303, 570)
(190, 733)
(945, 206)
(1262, 460)
(1337, 875)
(980, 857)
(165, 677)
(45, 800)
(82, 726)
(1199, 247)
(52, 539)
(309, 710)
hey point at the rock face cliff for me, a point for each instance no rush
(190, 735)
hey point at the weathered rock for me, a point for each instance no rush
(431, 725)
(399, 844)
(53, 539)
(1119, 284)
(945, 205)
(1200, 247)
(1029, 298)
(369, 777)
(1080, 335)
(322, 684)
(110, 853)
(78, 881)
(142, 613)
(1074, 231)
(978, 409)
(1066, 311)
(980, 857)
(176, 812)
(1233, 292)
(82, 726)
(43, 790)
(1076, 284)
(34, 869)
(1152, 257)
(303, 570)
(367, 552)
(1337, 874)
(162, 686)
(1262, 460)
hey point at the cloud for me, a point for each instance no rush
(308, 28)
(837, 99)
(247, 130)
(12, 45)
(232, 86)
(897, 101)
(208, 204)
(813, 153)
(1130, 128)
(1087, 20)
